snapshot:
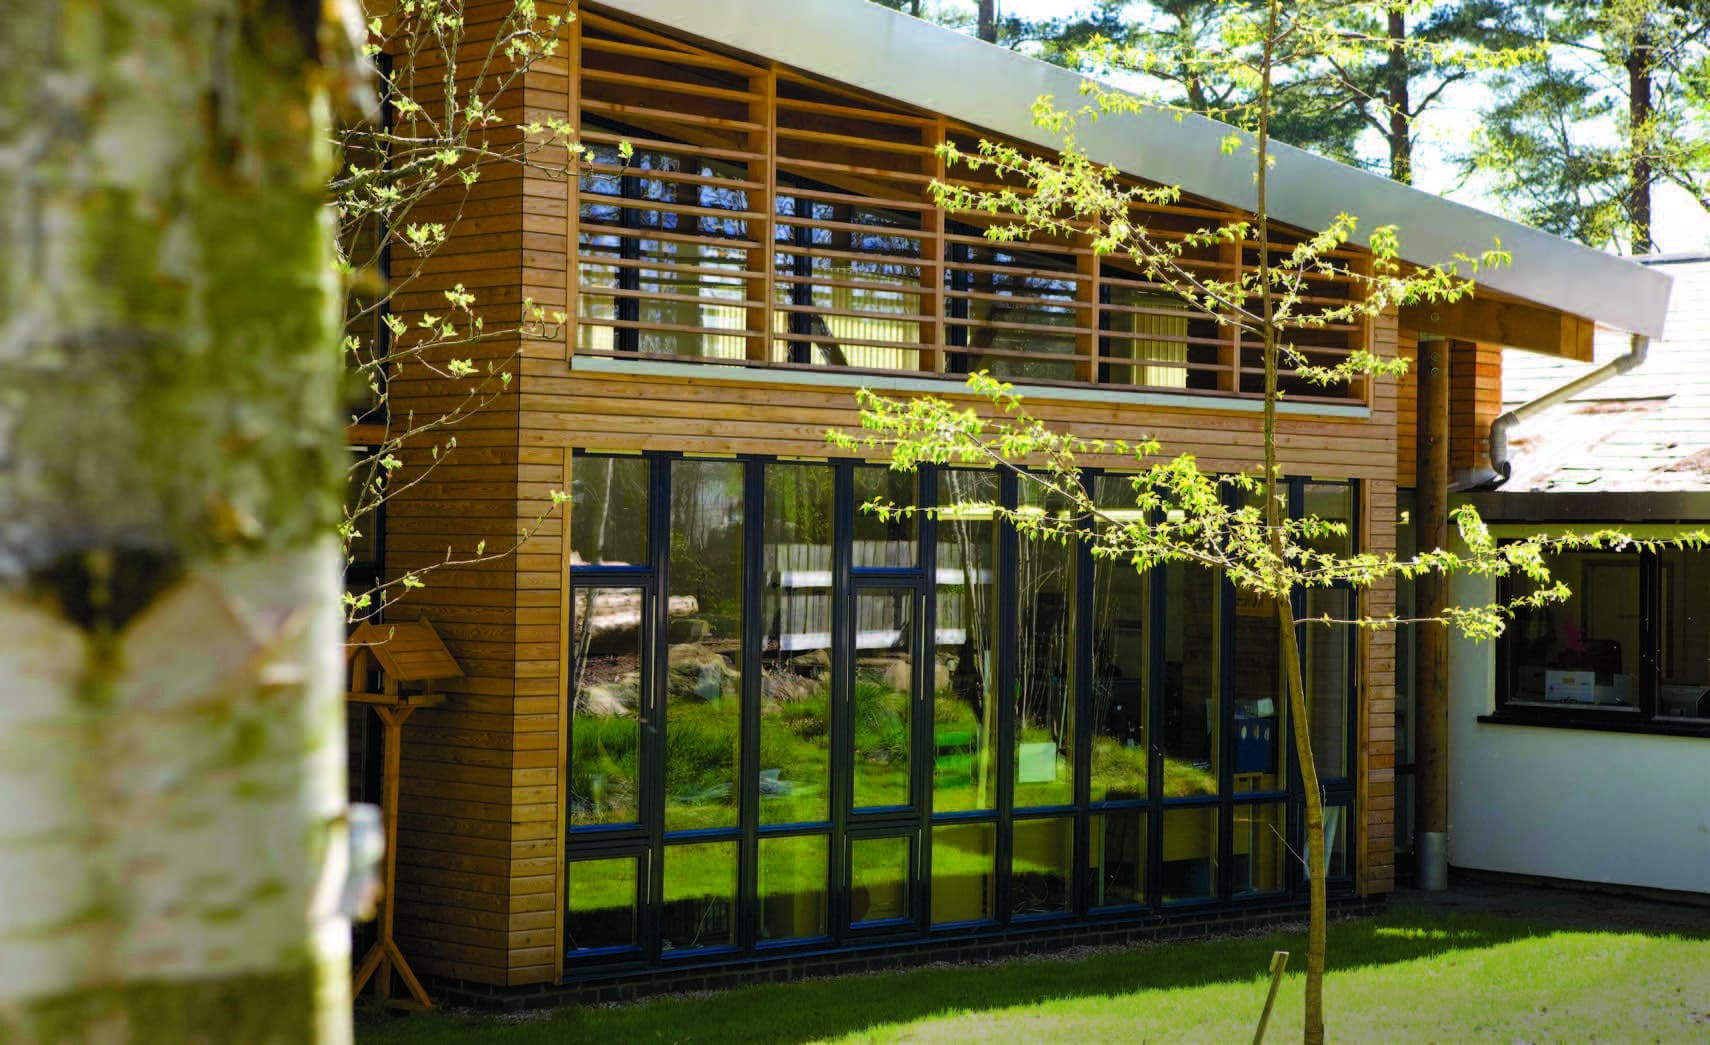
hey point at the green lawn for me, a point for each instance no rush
(1406, 976)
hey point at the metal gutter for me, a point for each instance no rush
(1501, 468)
(939, 70)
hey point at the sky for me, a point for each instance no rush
(1679, 225)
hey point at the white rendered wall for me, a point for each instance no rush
(1565, 803)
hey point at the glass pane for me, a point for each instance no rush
(1683, 631)
(1044, 661)
(795, 665)
(1259, 843)
(1331, 502)
(1119, 858)
(879, 879)
(1012, 322)
(700, 893)
(884, 696)
(1403, 812)
(1193, 644)
(1122, 661)
(845, 297)
(1260, 699)
(1405, 606)
(1336, 824)
(964, 869)
(608, 511)
(1040, 865)
(703, 687)
(792, 887)
(1329, 685)
(607, 641)
(880, 541)
(964, 715)
(1584, 651)
(654, 276)
(1190, 853)
(601, 903)
(1153, 330)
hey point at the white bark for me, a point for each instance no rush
(171, 755)
(173, 802)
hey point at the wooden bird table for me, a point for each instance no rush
(404, 653)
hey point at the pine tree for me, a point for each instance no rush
(1577, 142)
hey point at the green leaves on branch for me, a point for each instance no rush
(1180, 514)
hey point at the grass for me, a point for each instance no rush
(1406, 976)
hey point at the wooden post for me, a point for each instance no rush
(384, 958)
(1431, 678)
(572, 190)
(1279, 962)
(761, 261)
(932, 257)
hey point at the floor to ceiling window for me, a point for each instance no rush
(798, 723)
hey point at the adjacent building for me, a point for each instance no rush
(1580, 742)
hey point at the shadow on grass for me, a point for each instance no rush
(829, 1008)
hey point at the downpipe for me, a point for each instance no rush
(1501, 468)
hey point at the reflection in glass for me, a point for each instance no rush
(655, 276)
(795, 654)
(1192, 655)
(1260, 700)
(1010, 315)
(1331, 502)
(1336, 841)
(1683, 630)
(1258, 844)
(880, 541)
(884, 696)
(1040, 863)
(700, 894)
(1329, 685)
(703, 683)
(792, 887)
(1121, 660)
(964, 715)
(879, 877)
(1190, 853)
(608, 511)
(607, 629)
(1119, 858)
(1584, 651)
(600, 907)
(1044, 659)
(964, 869)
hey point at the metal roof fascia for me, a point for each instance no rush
(879, 50)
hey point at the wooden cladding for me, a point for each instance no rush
(742, 213)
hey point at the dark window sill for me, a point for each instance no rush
(1603, 722)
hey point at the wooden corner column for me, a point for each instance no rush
(1431, 667)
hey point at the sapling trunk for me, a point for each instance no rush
(1313, 1029)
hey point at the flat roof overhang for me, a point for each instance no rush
(881, 51)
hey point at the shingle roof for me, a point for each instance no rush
(1642, 432)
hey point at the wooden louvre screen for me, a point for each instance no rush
(738, 212)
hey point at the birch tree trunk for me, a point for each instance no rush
(171, 737)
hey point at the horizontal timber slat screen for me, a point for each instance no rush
(770, 219)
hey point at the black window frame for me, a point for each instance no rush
(648, 842)
(1643, 716)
